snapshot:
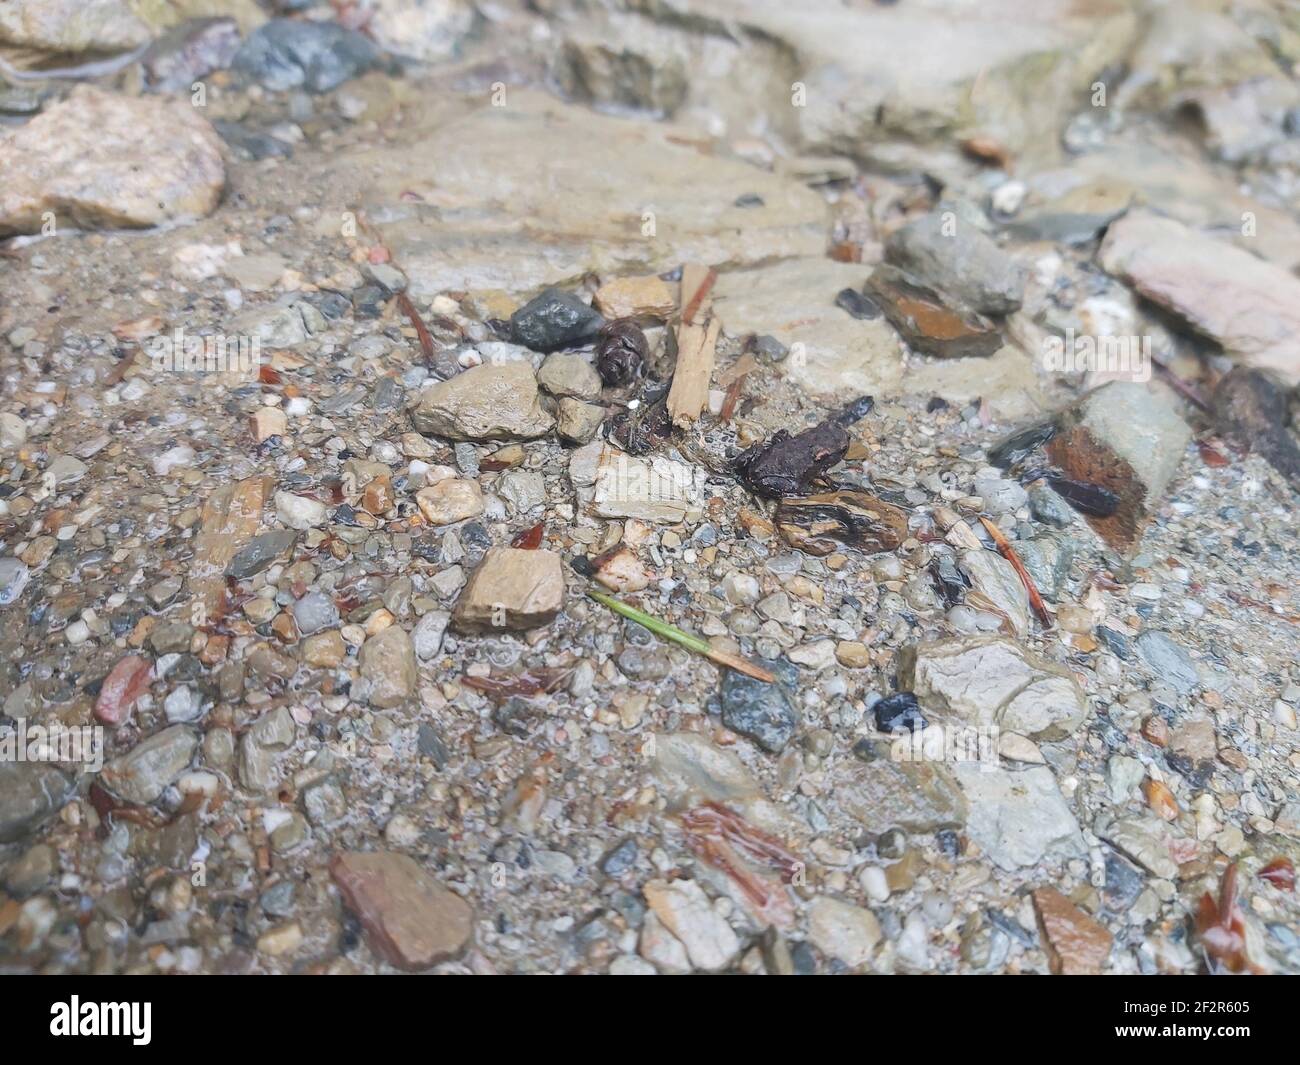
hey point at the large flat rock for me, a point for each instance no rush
(925, 70)
(835, 354)
(540, 193)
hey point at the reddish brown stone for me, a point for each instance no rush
(930, 322)
(411, 921)
(1155, 730)
(1076, 944)
(121, 688)
(1128, 440)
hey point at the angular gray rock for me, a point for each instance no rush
(883, 794)
(1168, 661)
(766, 713)
(1018, 818)
(301, 53)
(995, 577)
(1128, 439)
(953, 256)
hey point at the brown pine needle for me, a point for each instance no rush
(421, 330)
(1009, 553)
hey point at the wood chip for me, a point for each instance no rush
(697, 340)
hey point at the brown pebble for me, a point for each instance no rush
(1077, 945)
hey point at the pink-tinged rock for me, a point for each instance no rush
(411, 920)
(1249, 306)
(128, 681)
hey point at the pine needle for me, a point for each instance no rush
(685, 639)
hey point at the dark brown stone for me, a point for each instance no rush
(411, 920)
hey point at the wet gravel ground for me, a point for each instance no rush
(316, 704)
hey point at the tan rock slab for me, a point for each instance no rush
(647, 296)
(99, 160)
(511, 589)
(488, 402)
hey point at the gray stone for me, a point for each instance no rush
(259, 553)
(13, 579)
(691, 769)
(687, 913)
(1144, 839)
(30, 793)
(844, 931)
(1048, 559)
(1168, 661)
(577, 422)
(564, 374)
(314, 55)
(995, 577)
(315, 611)
(554, 319)
(956, 258)
(522, 489)
(64, 469)
(1049, 508)
(488, 402)
(140, 775)
(269, 735)
(277, 325)
(427, 635)
(766, 713)
(325, 804)
(886, 793)
(299, 512)
(1000, 494)
(183, 705)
